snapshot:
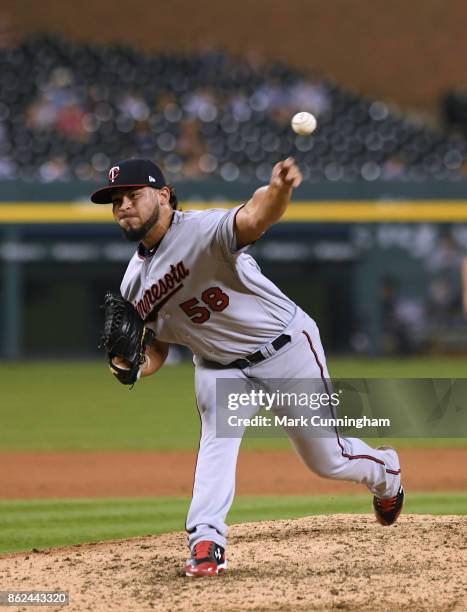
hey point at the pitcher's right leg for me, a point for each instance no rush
(214, 485)
(214, 482)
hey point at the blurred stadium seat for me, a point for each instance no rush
(206, 115)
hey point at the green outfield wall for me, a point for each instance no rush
(223, 190)
(366, 266)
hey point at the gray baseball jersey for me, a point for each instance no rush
(207, 294)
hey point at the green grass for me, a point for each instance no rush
(403, 367)
(79, 406)
(48, 523)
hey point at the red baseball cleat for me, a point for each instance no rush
(207, 559)
(387, 510)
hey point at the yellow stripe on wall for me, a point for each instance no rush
(44, 212)
(324, 211)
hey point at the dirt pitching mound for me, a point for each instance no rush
(322, 562)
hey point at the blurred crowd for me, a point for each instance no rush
(68, 110)
(415, 320)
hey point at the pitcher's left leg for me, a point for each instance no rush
(329, 454)
(352, 459)
(346, 458)
(340, 457)
(349, 459)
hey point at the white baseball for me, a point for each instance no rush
(303, 124)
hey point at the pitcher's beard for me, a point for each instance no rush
(138, 233)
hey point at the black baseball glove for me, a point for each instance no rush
(125, 336)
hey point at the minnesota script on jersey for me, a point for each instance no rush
(199, 290)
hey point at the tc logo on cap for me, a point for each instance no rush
(114, 173)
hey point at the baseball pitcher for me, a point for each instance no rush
(192, 282)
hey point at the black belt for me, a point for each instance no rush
(257, 357)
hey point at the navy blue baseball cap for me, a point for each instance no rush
(134, 172)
